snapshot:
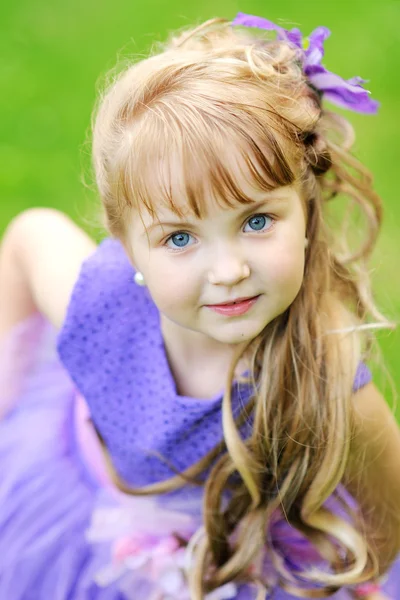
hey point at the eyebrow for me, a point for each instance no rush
(249, 209)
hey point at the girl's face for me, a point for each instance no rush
(192, 266)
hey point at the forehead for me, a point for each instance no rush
(195, 195)
(216, 208)
(190, 174)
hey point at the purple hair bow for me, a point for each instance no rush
(345, 93)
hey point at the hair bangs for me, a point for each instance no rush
(185, 160)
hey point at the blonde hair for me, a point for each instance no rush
(212, 88)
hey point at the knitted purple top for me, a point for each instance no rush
(112, 346)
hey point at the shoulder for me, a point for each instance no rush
(370, 406)
(103, 283)
(373, 467)
(375, 433)
(372, 473)
(107, 270)
(107, 310)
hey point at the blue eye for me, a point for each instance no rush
(179, 240)
(258, 223)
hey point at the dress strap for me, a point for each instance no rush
(362, 377)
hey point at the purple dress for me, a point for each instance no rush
(66, 533)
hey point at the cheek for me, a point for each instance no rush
(286, 269)
(170, 286)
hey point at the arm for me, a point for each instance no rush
(373, 472)
(40, 258)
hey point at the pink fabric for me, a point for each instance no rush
(20, 351)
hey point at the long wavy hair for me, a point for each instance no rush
(164, 127)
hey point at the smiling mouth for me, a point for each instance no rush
(235, 308)
(233, 302)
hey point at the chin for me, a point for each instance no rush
(237, 334)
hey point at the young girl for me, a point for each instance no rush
(208, 427)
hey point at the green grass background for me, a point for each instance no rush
(53, 55)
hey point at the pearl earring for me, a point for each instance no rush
(306, 242)
(139, 279)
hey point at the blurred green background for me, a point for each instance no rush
(54, 55)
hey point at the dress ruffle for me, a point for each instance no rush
(65, 532)
(46, 494)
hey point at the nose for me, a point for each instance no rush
(228, 268)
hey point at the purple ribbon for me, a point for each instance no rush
(348, 93)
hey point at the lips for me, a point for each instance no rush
(236, 301)
(234, 308)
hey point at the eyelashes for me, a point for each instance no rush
(180, 239)
(259, 222)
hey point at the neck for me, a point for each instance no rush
(192, 354)
(195, 346)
